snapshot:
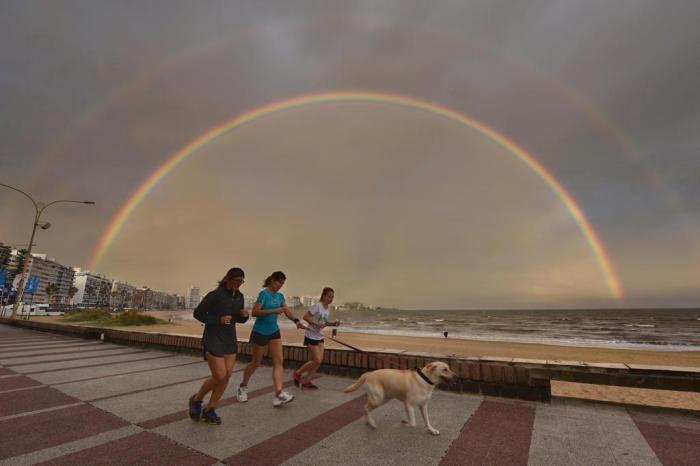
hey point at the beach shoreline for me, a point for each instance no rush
(451, 347)
(675, 356)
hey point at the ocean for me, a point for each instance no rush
(634, 328)
(671, 329)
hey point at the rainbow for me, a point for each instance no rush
(174, 160)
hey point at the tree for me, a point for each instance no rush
(71, 292)
(21, 258)
(88, 293)
(105, 291)
(51, 290)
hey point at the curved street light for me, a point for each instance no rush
(39, 208)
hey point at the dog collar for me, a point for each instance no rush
(422, 376)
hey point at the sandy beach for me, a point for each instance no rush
(457, 347)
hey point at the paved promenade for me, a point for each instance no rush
(71, 401)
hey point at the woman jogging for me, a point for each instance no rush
(219, 310)
(318, 317)
(269, 304)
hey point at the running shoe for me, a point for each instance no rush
(282, 398)
(297, 379)
(210, 417)
(195, 410)
(242, 394)
(308, 385)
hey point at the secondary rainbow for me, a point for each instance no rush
(606, 267)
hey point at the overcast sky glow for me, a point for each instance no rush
(388, 204)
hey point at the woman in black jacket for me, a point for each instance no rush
(219, 310)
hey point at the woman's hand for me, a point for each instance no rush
(300, 326)
(244, 313)
(225, 320)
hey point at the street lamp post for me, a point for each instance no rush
(39, 208)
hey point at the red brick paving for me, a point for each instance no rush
(281, 447)
(5, 371)
(42, 430)
(19, 381)
(674, 441)
(142, 448)
(40, 398)
(497, 433)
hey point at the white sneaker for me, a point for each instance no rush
(242, 394)
(282, 398)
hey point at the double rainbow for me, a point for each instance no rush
(117, 223)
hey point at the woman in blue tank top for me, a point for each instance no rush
(269, 304)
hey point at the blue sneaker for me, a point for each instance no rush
(195, 409)
(209, 416)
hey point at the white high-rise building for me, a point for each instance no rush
(122, 294)
(309, 301)
(49, 272)
(192, 298)
(293, 301)
(93, 290)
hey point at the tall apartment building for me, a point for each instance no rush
(293, 301)
(250, 301)
(5, 253)
(93, 290)
(193, 297)
(309, 301)
(122, 295)
(49, 272)
(163, 300)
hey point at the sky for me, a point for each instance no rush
(496, 154)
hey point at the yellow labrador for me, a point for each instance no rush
(413, 387)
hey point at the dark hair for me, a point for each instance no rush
(234, 272)
(277, 276)
(326, 290)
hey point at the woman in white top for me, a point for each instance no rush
(318, 317)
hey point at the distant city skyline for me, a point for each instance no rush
(478, 155)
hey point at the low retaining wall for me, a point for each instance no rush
(527, 379)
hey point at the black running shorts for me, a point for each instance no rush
(310, 341)
(262, 340)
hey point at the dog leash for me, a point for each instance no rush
(391, 363)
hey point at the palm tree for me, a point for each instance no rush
(51, 289)
(71, 292)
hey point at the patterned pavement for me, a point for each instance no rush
(70, 401)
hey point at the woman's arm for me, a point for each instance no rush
(206, 307)
(242, 316)
(258, 310)
(310, 319)
(291, 317)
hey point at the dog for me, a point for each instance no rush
(413, 387)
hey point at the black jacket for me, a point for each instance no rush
(218, 303)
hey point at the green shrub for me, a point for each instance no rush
(102, 317)
(88, 315)
(135, 318)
